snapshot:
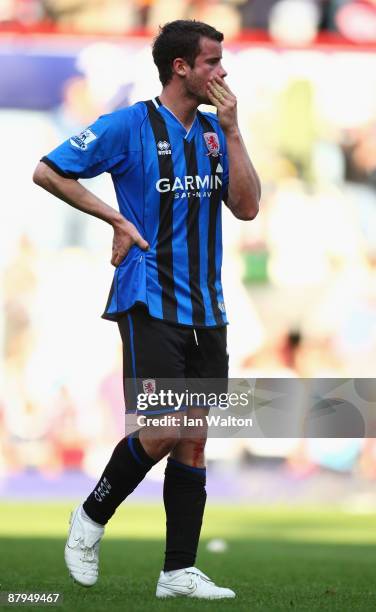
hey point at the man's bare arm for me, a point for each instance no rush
(244, 190)
(76, 195)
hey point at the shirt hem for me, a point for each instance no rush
(115, 316)
(58, 170)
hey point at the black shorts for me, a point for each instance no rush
(158, 354)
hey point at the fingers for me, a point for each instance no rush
(142, 243)
(224, 100)
(118, 257)
(217, 89)
(121, 248)
(222, 83)
(219, 93)
(220, 90)
(216, 94)
(136, 238)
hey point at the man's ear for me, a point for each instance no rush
(180, 66)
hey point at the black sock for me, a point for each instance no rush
(128, 465)
(184, 498)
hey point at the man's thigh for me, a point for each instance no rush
(207, 366)
(153, 355)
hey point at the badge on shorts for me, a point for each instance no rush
(212, 142)
(149, 385)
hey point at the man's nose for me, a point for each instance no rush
(222, 72)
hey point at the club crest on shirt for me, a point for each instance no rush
(82, 140)
(212, 143)
(149, 385)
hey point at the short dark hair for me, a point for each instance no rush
(180, 38)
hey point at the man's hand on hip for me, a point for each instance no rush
(125, 236)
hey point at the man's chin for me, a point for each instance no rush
(202, 99)
(205, 100)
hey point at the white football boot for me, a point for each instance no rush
(82, 548)
(190, 582)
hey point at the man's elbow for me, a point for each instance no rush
(249, 215)
(40, 174)
(248, 212)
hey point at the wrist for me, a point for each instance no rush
(118, 221)
(232, 132)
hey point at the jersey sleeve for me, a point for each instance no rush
(98, 148)
(225, 171)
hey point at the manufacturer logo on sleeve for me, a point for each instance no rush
(82, 140)
(212, 143)
(164, 147)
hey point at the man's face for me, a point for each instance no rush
(207, 65)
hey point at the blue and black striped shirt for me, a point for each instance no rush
(170, 184)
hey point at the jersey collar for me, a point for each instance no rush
(171, 119)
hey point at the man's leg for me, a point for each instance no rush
(184, 498)
(143, 339)
(184, 495)
(126, 468)
(185, 476)
(128, 465)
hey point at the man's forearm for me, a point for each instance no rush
(244, 189)
(73, 193)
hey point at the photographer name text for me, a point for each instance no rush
(209, 420)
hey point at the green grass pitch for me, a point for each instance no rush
(277, 559)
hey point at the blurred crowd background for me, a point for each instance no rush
(283, 19)
(300, 280)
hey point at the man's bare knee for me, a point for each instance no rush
(159, 441)
(190, 451)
